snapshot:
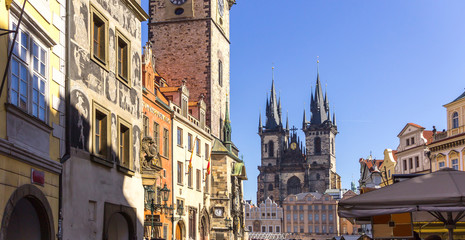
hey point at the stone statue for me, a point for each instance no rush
(149, 156)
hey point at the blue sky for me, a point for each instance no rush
(385, 63)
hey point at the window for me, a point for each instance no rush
(28, 75)
(310, 229)
(278, 229)
(317, 229)
(323, 207)
(301, 217)
(180, 172)
(295, 229)
(220, 73)
(180, 204)
(189, 142)
(410, 163)
(288, 207)
(407, 142)
(207, 183)
(270, 187)
(455, 120)
(166, 144)
(323, 217)
(145, 123)
(442, 164)
(317, 217)
(192, 223)
(122, 65)
(331, 229)
(323, 228)
(295, 217)
(288, 228)
(309, 206)
(250, 228)
(99, 37)
(455, 164)
(330, 207)
(330, 217)
(316, 207)
(317, 146)
(405, 164)
(165, 231)
(271, 149)
(207, 151)
(263, 229)
(179, 139)
(412, 140)
(198, 177)
(101, 137)
(266, 148)
(189, 178)
(417, 162)
(301, 208)
(124, 144)
(294, 208)
(310, 217)
(156, 136)
(270, 229)
(197, 146)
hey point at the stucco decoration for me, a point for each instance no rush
(136, 147)
(114, 139)
(136, 66)
(123, 15)
(111, 87)
(80, 13)
(80, 112)
(149, 155)
(111, 46)
(79, 62)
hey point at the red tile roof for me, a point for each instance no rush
(415, 125)
(370, 165)
(429, 136)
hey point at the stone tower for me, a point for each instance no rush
(191, 42)
(320, 134)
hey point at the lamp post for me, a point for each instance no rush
(156, 206)
(179, 210)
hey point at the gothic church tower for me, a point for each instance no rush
(191, 42)
(320, 134)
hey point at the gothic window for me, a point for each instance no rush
(317, 146)
(293, 185)
(317, 176)
(220, 73)
(270, 187)
(455, 120)
(332, 146)
(271, 149)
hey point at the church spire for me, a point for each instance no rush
(260, 127)
(304, 121)
(318, 106)
(273, 113)
(334, 118)
(227, 123)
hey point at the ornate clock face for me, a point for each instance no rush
(218, 212)
(221, 7)
(178, 2)
(293, 146)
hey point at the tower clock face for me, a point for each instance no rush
(293, 146)
(178, 2)
(221, 7)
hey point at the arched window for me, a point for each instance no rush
(270, 187)
(455, 120)
(220, 73)
(293, 185)
(270, 149)
(317, 146)
(332, 146)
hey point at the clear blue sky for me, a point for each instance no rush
(385, 63)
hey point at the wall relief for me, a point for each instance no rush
(80, 127)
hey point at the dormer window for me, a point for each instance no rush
(455, 120)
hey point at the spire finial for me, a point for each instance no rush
(317, 64)
(272, 71)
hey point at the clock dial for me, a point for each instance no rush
(221, 7)
(218, 212)
(178, 2)
(293, 146)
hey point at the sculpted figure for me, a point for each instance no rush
(149, 156)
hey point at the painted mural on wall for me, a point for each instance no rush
(123, 15)
(136, 147)
(114, 140)
(80, 113)
(137, 70)
(78, 31)
(129, 100)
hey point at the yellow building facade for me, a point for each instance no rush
(32, 118)
(448, 147)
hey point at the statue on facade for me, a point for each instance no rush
(149, 155)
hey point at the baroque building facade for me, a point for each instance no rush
(287, 167)
(32, 123)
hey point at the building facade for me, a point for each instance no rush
(191, 153)
(311, 215)
(103, 194)
(287, 167)
(191, 39)
(265, 218)
(32, 122)
(448, 147)
(412, 152)
(156, 149)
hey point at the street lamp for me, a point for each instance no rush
(156, 206)
(165, 193)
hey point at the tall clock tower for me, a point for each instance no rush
(191, 42)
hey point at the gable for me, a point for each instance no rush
(409, 128)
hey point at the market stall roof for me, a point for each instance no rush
(438, 191)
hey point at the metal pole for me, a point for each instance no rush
(151, 229)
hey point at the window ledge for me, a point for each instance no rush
(180, 184)
(101, 160)
(125, 170)
(27, 117)
(102, 64)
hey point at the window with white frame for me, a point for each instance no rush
(441, 164)
(455, 164)
(28, 75)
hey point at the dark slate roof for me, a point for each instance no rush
(460, 97)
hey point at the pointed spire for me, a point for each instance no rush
(318, 107)
(334, 118)
(304, 121)
(273, 111)
(260, 127)
(287, 121)
(227, 123)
